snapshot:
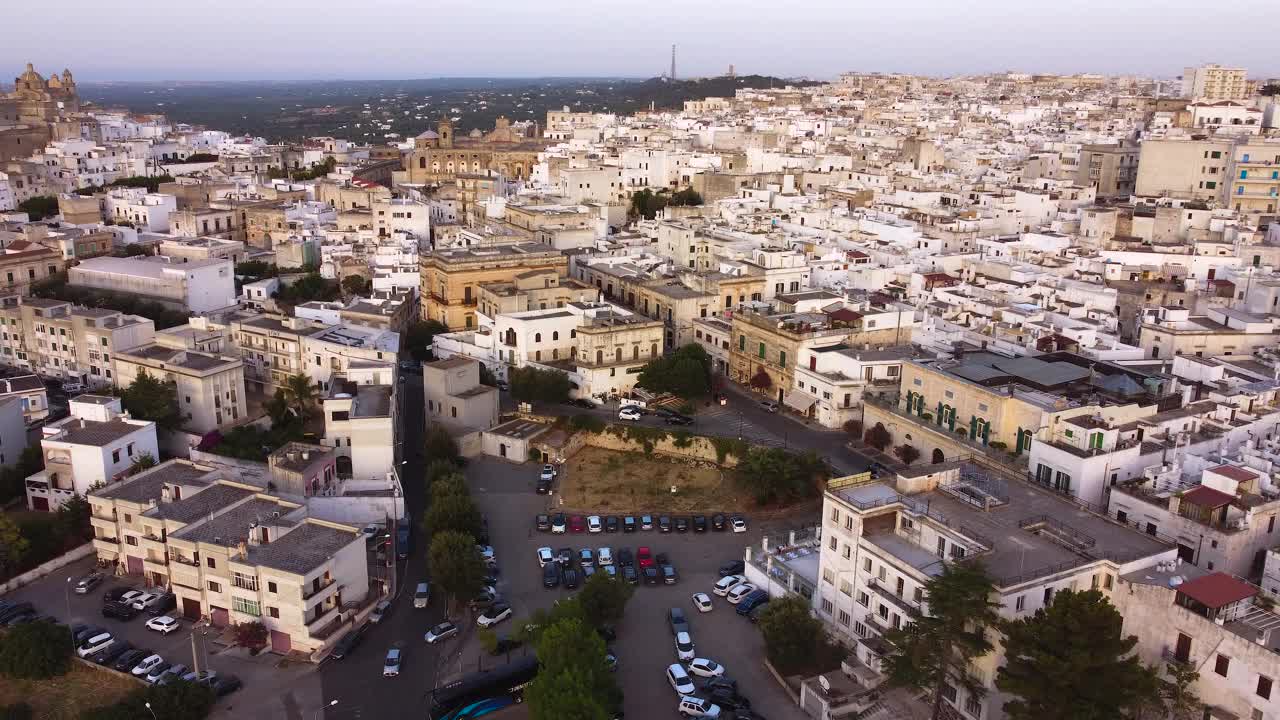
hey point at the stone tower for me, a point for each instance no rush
(444, 128)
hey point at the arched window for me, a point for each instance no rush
(537, 337)
(653, 350)
(635, 352)
(599, 357)
(573, 333)
(617, 354)
(555, 353)
(555, 334)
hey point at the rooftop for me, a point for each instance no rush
(203, 504)
(146, 486)
(302, 549)
(79, 431)
(231, 526)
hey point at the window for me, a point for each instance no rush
(1264, 687)
(827, 607)
(1020, 603)
(972, 706)
(210, 563)
(828, 577)
(760, 352)
(832, 543)
(248, 607)
(1048, 596)
(844, 618)
(863, 599)
(949, 692)
(273, 612)
(846, 588)
(866, 564)
(130, 540)
(1222, 665)
(245, 582)
(115, 456)
(214, 587)
(271, 586)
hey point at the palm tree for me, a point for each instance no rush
(301, 393)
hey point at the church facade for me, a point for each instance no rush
(440, 156)
(30, 115)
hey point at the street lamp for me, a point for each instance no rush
(153, 712)
(66, 595)
(320, 712)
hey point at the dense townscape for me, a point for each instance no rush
(886, 397)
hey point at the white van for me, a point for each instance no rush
(421, 595)
(679, 679)
(604, 557)
(95, 644)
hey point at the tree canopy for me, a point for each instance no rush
(355, 285)
(440, 446)
(39, 207)
(301, 394)
(774, 475)
(307, 288)
(417, 339)
(452, 513)
(455, 564)
(934, 651)
(531, 384)
(150, 398)
(573, 681)
(647, 203)
(1070, 661)
(794, 640)
(685, 372)
(603, 599)
(35, 650)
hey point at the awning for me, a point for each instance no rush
(799, 400)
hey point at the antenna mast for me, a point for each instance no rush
(673, 63)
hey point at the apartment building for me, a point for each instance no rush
(57, 339)
(196, 286)
(344, 348)
(271, 347)
(96, 444)
(1167, 332)
(829, 384)
(143, 210)
(1112, 169)
(189, 249)
(210, 388)
(612, 348)
(31, 394)
(451, 277)
(1195, 169)
(360, 426)
(454, 395)
(23, 263)
(883, 541)
(1214, 82)
(1254, 185)
(233, 554)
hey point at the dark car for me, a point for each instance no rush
(646, 522)
(223, 685)
(661, 559)
(505, 645)
(15, 611)
(717, 522)
(112, 652)
(751, 601)
(114, 594)
(682, 524)
(125, 662)
(564, 556)
(347, 643)
(678, 419)
(651, 575)
(727, 699)
(572, 579)
(664, 524)
(669, 575)
(625, 558)
(84, 632)
(723, 682)
(679, 623)
(629, 574)
(551, 575)
(167, 602)
(543, 523)
(119, 611)
(611, 524)
(732, 568)
(699, 523)
(584, 404)
(543, 487)
(628, 524)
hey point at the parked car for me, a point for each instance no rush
(108, 655)
(545, 556)
(95, 644)
(604, 557)
(676, 618)
(82, 632)
(646, 522)
(651, 575)
(116, 594)
(571, 579)
(551, 575)
(727, 583)
(543, 523)
(577, 524)
(697, 707)
(130, 659)
(629, 413)
(16, 610)
(702, 667)
(88, 582)
(629, 574)
(751, 601)
(684, 646)
(163, 624)
(558, 524)
(669, 575)
(735, 595)
(728, 699)
(549, 473)
(380, 611)
(739, 524)
(678, 419)
(146, 665)
(564, 556)
(594, 525)
(166, 602)
(625, 558)
(347, 643)
(422, 595)
(644, 556)
(586, 557)
(542, 487)
(611, 524)
(733, 567)
(171, 673)
(700, 523)
(443, 631)
(628, 524)
(679, 679)
(119, 611)
(504, 645)
(769, 406)
(682, 524)
(72, 388)
(145, 600)
(224, 685)
(702, 602)
(664, 524)
(391, 666)
(581, 403)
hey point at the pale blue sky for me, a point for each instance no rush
(390, 39)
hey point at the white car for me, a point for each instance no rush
(380, 611)
(604, 556)
(486, 553)
(629, 413)
(558, 525)
(443, 631)
(697, 707)
(548, 473)
(738, 592)
(148, 663)
(727, 583)
(684, 646)
(702, 601)
(145, 600)
(95, 644)
(422, 595)
(702, 667)
(594, 525)
(129, 597)
(494, 615)
(679, 679)
(545, 555)
(163, 624)
(739, 524)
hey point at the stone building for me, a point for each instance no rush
(30, 115)
(440, 155)
(451, 278)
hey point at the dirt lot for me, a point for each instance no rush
(68, 696)
(607, 482)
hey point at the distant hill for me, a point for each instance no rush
(376, 110)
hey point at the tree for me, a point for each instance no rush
(257, 269)
(452, 484)
(776, 475)
(437, 469)
(646, 204)
(253, 635)
(853, 428)
(141, 462)
(132, 250)
(1176, 698)
(685, 372)
(71, 522)
(531, 384)
(39, 207)
(152, 399)
(278, 408)
(13, 478)
(487, 377)
(1270, 90)
(417, 339)
(307, 288)
(13, 546)
(761, 380)
(35, 650)
(573, 681)
(455, 564)
(1070, 661)
(355, 285)
(440, 445)
(934, 651)
(794, 639)
(688, 196)
(453, 513)
(301, 393)
(877, 437)
(907, 454)
(603, 599)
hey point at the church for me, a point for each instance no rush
(438, 155)
(37, 111)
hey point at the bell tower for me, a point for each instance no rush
(444, 128)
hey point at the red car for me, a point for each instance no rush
(577, 524)
(644, 557)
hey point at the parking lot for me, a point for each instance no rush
(505, 492)
(270, 690)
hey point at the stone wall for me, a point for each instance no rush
(699, 447)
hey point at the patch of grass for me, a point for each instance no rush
(609, 481)
(69, 696)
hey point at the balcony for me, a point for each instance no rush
(155, 566)
(184, 576)
(885, 592)
(101, 523)
(1170, 655)
(318, 594)
(316, 625)
(106, 546)
(152, 544)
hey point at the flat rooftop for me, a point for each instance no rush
(146, 486)
(303, 549)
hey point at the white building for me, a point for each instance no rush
(360, 425)
(197, 286)
(145, 211)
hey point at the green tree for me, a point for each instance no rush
(152, 399)
(603, 599)
(13, 479)
(456, 565)
(355, 285)
(35, 650)
(935, 650)
(794, 639)
(278, 408)
(71, 522)
(774, 475)
(487, 377)
(761, 380)
(417, 339)
(877, 437)
(307, 288)
(438, 469)
(257, 269)
(13, 546)
(1176, 697)
(301, 393)
(39, 207)
(531, 384)
(253, 635)
(142, 462)
(453, 513)
(1070, 661)
(907, 454)
(440, 445)
(573, 679)
(688, 196)
(685, 372)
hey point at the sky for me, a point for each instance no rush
(396, 39)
